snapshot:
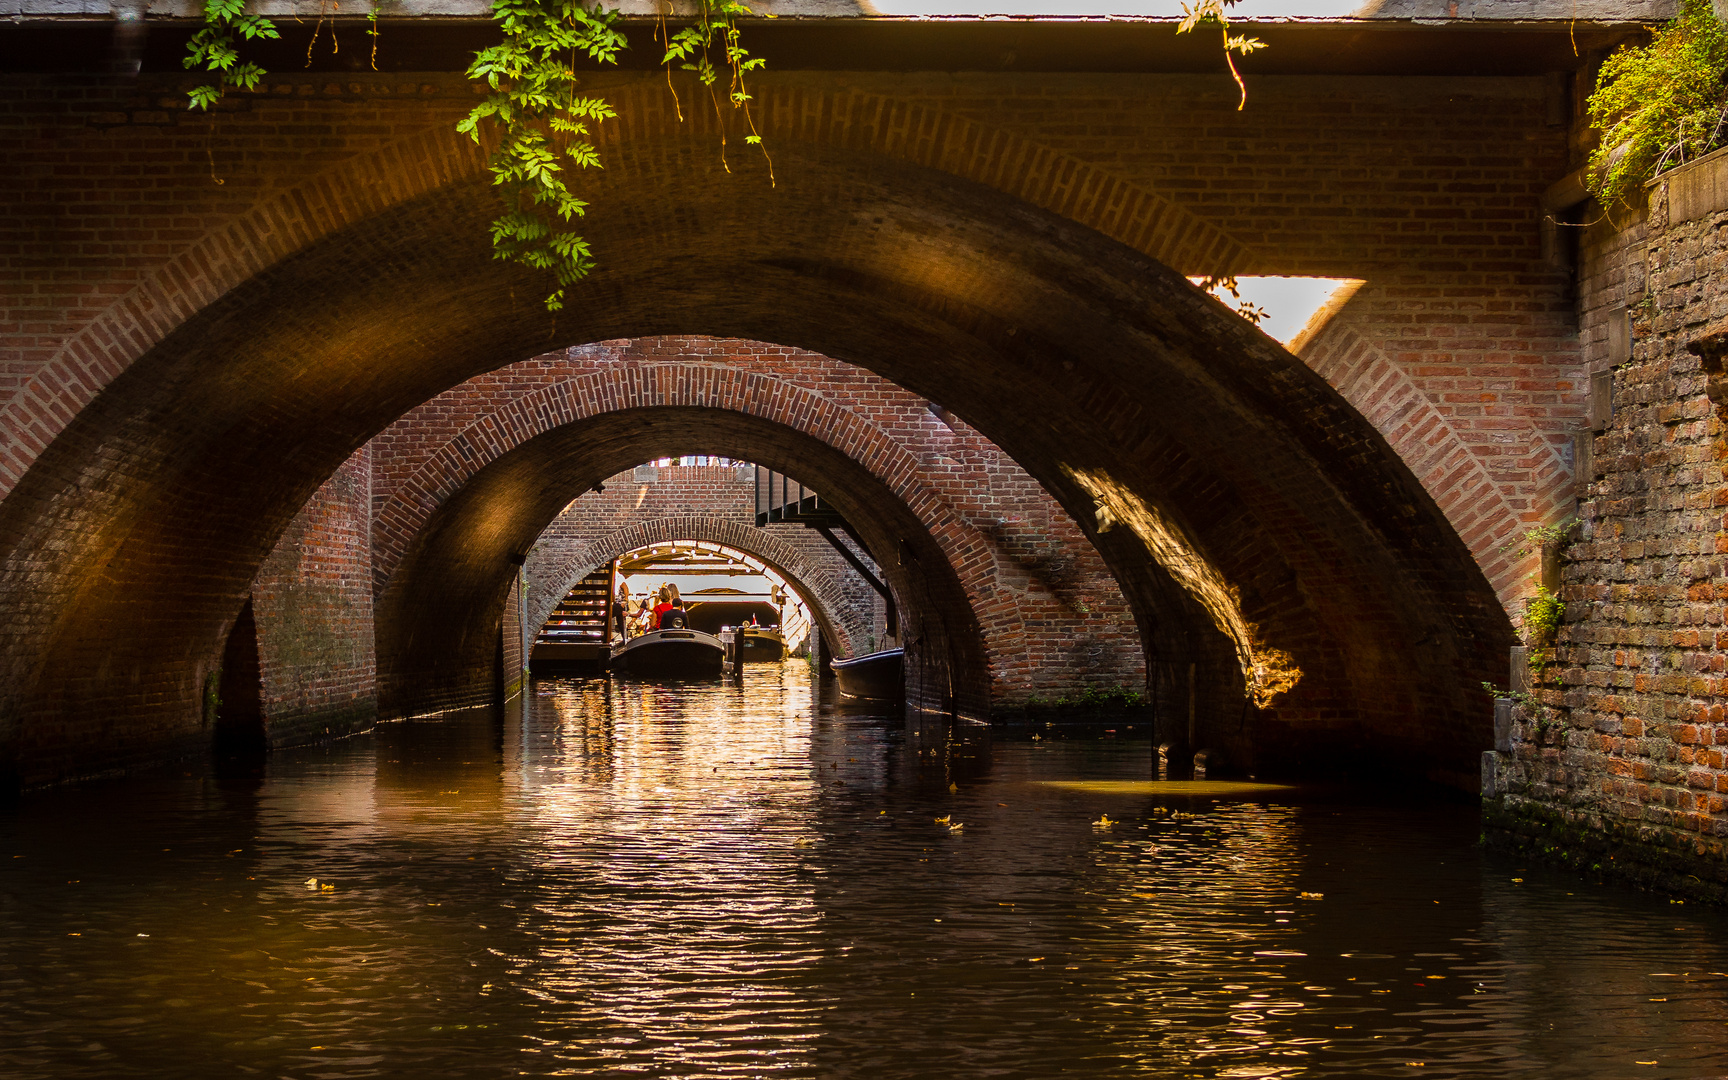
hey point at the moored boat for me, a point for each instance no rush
(760, 643)
(876, 676)
(678, 653)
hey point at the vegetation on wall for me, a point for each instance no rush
(1659, 105)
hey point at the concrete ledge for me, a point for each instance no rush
(1696, 188)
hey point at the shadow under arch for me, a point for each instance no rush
(1073, 353)
(818, 589)
(440, 613)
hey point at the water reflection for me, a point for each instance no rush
(701, 880)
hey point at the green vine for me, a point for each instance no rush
(216, 48)
(1207, 12)
(1659, 105)
(542, 123)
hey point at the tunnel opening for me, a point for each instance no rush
(239, 729)
(457, 566)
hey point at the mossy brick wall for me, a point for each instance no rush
(1626, 773)
(312, 601)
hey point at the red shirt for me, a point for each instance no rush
(659, 611)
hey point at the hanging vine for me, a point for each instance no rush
(542, 124)
(215, 48)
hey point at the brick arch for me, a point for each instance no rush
(438, 618)
(1451, 471)
(1075, 354)
(637, 386)
(413, 166)
(839, 621)
(443, 473)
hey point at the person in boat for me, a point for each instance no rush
(621, 611)
(674, 618)
(663, 607)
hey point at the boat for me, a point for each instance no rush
(760, 643)
(876, 676)
(678, 653)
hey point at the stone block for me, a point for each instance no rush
(1601, 400)
(1503, 725)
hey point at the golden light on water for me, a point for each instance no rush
(1202, 788)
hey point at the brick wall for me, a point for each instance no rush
(312, 602)
(1621, 770)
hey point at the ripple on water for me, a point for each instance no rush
(698, 880)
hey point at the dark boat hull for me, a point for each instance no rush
(878, 676)
(687, 654)
(760, 644)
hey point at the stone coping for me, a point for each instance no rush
(1594, 13)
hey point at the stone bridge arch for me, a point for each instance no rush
(443, 472)
(1209, 451)
(438, 617)
(839, 621)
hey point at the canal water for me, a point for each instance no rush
(640, 880)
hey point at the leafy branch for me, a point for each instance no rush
(1218, 284)
(1659, 105)
(541, 124)
(1206, 12)
(692, 47)
(216, 48)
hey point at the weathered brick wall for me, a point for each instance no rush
(312, 601)
(1053, 617)
(1622, 768)
(716, 494)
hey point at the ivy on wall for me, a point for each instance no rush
(542, 124)
(1659, 105)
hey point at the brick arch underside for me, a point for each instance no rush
(837, 618)
(1069, 350)
(438, 617)
(997, 611)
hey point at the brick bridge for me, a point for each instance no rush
(262, 362)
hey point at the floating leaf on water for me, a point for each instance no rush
(1103, 822)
